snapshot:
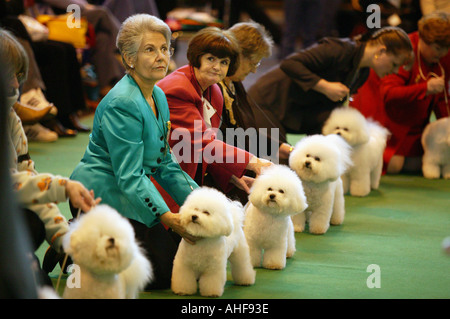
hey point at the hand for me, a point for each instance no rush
(435, 85)
(173, 221)
(80, 197)
(257, 165)
(285, 151)
(335, 91)
(244, 183)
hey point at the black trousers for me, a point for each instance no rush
(36, 230)
(160, 246)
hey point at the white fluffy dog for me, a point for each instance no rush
(368, 141)
(436, 145)
(111, 264)
(320, 161)
(276, 195)
(209, 214)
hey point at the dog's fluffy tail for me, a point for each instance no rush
(379, 133)
(137, 275)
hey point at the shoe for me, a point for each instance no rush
(74, 123)
(31, 115)
(38, 133)
(60, 130)
(35, 98)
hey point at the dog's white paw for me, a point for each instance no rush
(299, 228)
(318, 229)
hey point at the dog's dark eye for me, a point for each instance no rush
(337, 127)
(307, 155)
(345, 129)
(269, 189)
(281, 191)
(317, 158)
(206, 212)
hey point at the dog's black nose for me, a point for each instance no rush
(338, 133)
(111, 241)
(194, 218)
(308, 164)
(272, 196)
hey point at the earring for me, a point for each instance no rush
(376, 56)
(132, 66)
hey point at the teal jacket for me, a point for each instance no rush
(127, 146)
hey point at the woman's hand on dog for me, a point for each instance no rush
(80, 197)
(257, 164)
(244, 183)
(173, 221)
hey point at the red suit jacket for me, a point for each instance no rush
(399, 102)
(216, 158)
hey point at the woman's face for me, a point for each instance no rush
(385, 63)
(212, 70)
(433, 52)
(152, 58)
(246, 65)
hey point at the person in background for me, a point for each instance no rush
(305, 87)
(37, 193)
(239, 111)
(196, 106)
(403, 102)
(128, 146)
(106, 26)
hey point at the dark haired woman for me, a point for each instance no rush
(307, 85)
(195, 102)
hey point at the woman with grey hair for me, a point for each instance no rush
(128, 146)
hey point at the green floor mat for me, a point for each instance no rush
(398, 229)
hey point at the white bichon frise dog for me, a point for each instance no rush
(320, 161)
(209, 214)
(276, 195)
(368, 141)
(111, 264)
(436, 146)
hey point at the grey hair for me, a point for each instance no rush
(14, 54)
(132, 31)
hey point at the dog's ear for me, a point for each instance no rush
(225, 227)
(300, 202)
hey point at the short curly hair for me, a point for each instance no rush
(132, 31)
(215, 41)
(435, 28)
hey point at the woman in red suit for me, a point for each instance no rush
(195, 102)
(403, 102)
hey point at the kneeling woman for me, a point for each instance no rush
(128, 146)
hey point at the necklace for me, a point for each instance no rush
(432, 74)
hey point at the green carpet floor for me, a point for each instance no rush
(399, 228)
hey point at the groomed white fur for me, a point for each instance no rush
(368, 141)
(209, 214)
(320, 161)
(102, 243)
(436, 146)
(275, 195)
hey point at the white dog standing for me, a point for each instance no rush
(320, 161)
(276, 194)
(209, 214)
(436, 146)
(368, 141)
(111, 264)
